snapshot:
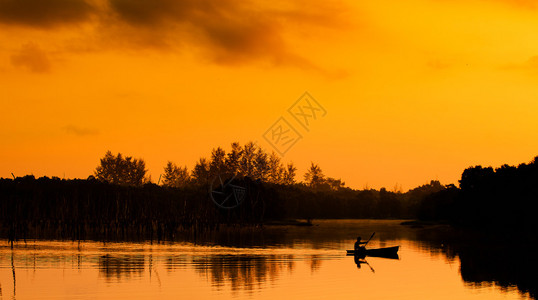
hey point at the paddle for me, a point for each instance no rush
(369, 239)
(373, 271)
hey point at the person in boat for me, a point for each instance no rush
(359, 249)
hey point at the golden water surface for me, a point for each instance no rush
(292, 263)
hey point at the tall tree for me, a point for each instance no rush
(200, 173)
(246, 164)
(289, 174)
(175, 176)
(314, 176)
(276, 169)
(217, 164)
(261, 166)
(119, 170)
(233, 158)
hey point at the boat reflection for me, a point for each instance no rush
(361, 259)
(302, 262)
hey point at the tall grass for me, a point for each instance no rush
(90, 209)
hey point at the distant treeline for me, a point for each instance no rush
(92, 209)
(247, 160)
(120, 201)
(502, 198)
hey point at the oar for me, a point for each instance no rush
(373, 271)
(369, 239)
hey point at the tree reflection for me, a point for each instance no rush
(243, 272)
(315, 262)
(486, 260)
(121, 267)
(505, 266)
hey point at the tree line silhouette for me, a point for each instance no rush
(497, 199)
(119, 201)
(247, 160)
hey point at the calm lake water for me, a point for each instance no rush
(278, 262)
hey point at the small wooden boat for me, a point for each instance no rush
(388, 252)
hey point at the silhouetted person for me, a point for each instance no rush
(359, 250)
(358, 243)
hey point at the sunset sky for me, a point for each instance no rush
(413, 90)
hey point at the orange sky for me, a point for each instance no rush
(413, 90)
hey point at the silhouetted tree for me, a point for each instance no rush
(289, 174)
(476, 178)
(247, 162)
(175, 176)
(217, 165)
(276, 169)
(415, 197)
(233, 158)
(120, 170)
(334, 184)
(439, 205)
(200, 173)
(490, 199)
(261, 165)
(389, 206)
(314, 176)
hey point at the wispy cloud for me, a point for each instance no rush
(229, 31)
(225, 31)
(39, 13)
(530, 65)
(31, 57)
(80, 131)
(438, 64)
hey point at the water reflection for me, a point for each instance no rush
(485, 261)
(121, 267)
(293, 262)
(362, 261)
(507, 267)
(315, 263)
(245, 272)
(324, 234)
(14, 276)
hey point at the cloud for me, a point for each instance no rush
(31, 57)
(529, 67)
(80, 131)
(529, 64)
(44, 13)
(230, 31)
(438, 64)
(225, 31)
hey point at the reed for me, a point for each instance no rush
(90, 209)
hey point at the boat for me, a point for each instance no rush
(388, 252)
